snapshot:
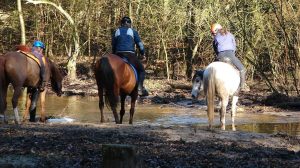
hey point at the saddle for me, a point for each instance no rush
(30, 55)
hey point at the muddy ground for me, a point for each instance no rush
(80, 145)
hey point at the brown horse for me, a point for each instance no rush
(21, 71)
(116, 78)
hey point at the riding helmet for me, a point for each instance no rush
(215, 28)
(38, 44)
(126, 20)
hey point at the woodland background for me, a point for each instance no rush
(175, 33)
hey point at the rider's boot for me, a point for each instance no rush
(42, 86)
(242, 83)
(142, 91)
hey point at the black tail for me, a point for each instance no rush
(107, 82)
(2, 81)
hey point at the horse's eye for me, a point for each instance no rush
(197, 80)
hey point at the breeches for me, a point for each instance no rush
(229, 56)
(132, 59)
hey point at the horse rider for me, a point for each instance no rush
(124, 40)
(37, 50)
(224, 45)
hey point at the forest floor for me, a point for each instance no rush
(80, 144)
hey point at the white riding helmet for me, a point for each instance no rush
(215, 28)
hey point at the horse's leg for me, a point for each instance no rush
(122, 110)
(132, 107)
(42, 99)
(233, 111)
(223, 111)
(4, 94)
(16, 95)
(32, 109)
(27, 105)
(101, 103)
(114, 109)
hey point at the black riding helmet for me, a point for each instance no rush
(126, 21)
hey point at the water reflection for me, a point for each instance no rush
(285, 128)
(85, 109)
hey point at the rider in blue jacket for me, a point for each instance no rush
(37, 51)
(224, 45)
(124, 40)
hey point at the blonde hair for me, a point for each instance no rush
(223, 31)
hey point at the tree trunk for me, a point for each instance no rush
(22, 25)
(190, 38)
(73, 56)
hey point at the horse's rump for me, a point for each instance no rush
(226, 77)
(114, 75)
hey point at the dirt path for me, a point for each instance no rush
(78, 145)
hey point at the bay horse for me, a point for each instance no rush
(115, 78)
(218, 79)
(22, 71)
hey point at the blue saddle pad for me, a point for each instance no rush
(134, 69)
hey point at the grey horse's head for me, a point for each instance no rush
(197, 83)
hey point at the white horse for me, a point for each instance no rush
(218, 79)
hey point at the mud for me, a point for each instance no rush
(80, 145)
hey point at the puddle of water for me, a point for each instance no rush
(271, 128)
(85, 109)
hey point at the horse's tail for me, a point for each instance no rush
(107, 82)
(2, 81)
(210, 95)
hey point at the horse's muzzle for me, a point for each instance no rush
(194, 94)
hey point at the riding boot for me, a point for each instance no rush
(242, 82)
(42, 86)
(43, 80)
(243, 79)
(141, 89)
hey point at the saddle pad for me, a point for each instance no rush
(133, 68)
(30, 55)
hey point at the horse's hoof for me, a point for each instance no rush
(31, 120)
(42, 120)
